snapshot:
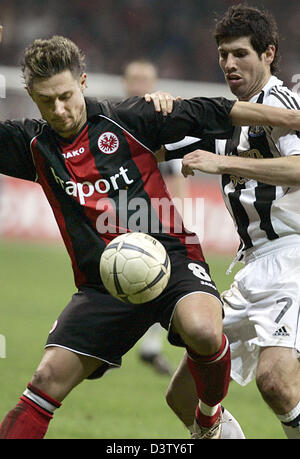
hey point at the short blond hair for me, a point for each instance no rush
(45, 58)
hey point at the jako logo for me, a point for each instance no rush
(71, 154)
(86, 189)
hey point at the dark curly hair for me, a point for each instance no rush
(245, 21)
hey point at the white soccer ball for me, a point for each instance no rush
(135, 268)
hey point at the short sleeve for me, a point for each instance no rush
(286, 141)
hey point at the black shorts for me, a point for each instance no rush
(97, 325)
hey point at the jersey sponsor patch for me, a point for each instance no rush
(74, 153)
(256, 131)
(108, 143)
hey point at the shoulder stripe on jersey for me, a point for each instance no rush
(281, 99)
(285, 98)
(31, 142)
(290, 96)
(123, 129)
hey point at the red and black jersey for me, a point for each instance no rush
(105, 181)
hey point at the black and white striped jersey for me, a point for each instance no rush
(261, 212)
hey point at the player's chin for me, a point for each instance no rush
(239, 89)
(64, 129)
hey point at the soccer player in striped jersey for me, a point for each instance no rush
(93, 160)
(259, 170)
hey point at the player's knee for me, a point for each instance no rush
(204, 338)
(43, 378)
(273, 389)
(198, 320)
(49, 379)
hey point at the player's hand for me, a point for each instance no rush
(160, 154)
(1, 32)
(201, 160)
(163, 101)
(186, 170)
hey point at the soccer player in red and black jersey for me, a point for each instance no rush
(87, 155)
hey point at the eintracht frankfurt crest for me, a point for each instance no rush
(108, 143)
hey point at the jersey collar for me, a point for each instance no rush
(93, 107)
(273, 81)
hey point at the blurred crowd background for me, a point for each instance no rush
(176, 34)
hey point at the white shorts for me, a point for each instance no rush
(262, 309)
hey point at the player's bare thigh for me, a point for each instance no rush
(198, 320)
(60, 370)
(278, 378)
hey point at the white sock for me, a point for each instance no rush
(40, 401)
(291, 422)
(208, 410)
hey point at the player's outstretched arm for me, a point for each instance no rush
(242, 113)
(247, 113)
(283, 171)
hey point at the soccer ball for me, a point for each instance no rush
(135, 268)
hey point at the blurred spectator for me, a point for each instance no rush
(175, 35)
(139, 78)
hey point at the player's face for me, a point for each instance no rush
(139, 79)
(61, 102)
(245, 72)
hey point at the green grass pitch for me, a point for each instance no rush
(36, 283)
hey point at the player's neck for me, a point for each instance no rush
(256, 89)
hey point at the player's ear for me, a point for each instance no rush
(82, 82)
(270, 54)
